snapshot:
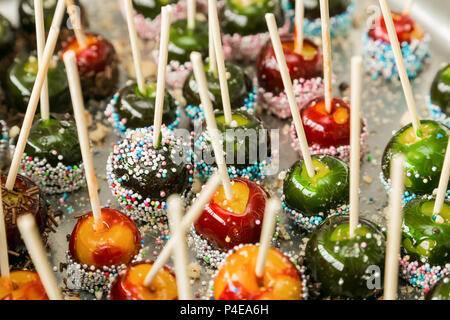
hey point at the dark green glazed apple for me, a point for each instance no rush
(424, 156)
(440, 90)
(20, 80)
(426, 237)
(239, 87)
(441, 290)
(139, 108)
(184, 40)
(7, 37)
(247, 17)
(55, 134)
(150, 8)
(340, 263)
(327, 190)
(243, 132)
(312, 8)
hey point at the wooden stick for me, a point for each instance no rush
(401, 67)
(134, 45)
(40, 39)
(191, 12)
(4, 261)
(200, 77)
(394, 228)
(83, 135)
(175, 209)
(407, 7)
(326, 42)
(273, 207)
(220, 62)
(355, 152)
(34, 98)
(299, 15)
(76, 23)
(443, 182)
(191, 216)
(212, 52)
(279, 53)
(30, 235)
(162, 65)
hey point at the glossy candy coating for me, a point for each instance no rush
(7, 37)
(129, 284)
(150, 9)
(236, 279)
(440, 291)
(339, 262)
(22, 285)
(424, 156)
(238, 221)
(184, 40)
(426, 237)
(440, 90)
(405, 27)
(116, 242)
(326, 190)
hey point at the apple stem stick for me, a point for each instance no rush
(83, 136)
(355, 153)
(76, 23)
(279, 53)
(407, 7)
(220, 61)
(212, 52)
(273, 207)
(191, 216)
(162, 65)
(401, 67)
(191, 14)
(394, 229)
(174, 206)
(35, 93)
(32, 239)
(326, 42)
(299, 15)
(4, 261)
(134, 45)
(40, 39)
(443, 182)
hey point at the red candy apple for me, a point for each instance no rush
(227, 223)
(307, 65)
(129, 284)
(97, 54)
(323, 128)
(404, 26)
(116, 241)
(22, 285)
(237, 280)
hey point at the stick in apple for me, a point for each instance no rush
(355, 131)
(175, 209)
(32, 239)
(401, 67)
(34, 98)
(407, 7)
(200, 77)
(191, 14)
(4, 261)
(212, 52)
(134, 45)
(162, 65)
(279, 53)
(40, 39)
(83, 136)
(220, 61)
(326, 42)
(299, 15)
(273, 207)
(443, 182)
(76, 23)
(394, 229)
(191, 216)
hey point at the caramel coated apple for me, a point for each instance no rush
(227, 223)
(236, 279)
(22, 285)
(129, 284)
(115, 242)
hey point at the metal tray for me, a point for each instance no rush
(383, 106)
